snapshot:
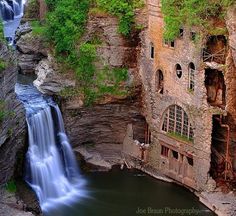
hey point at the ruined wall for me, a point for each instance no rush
(12, 128)
(230, 77)
(176, 91)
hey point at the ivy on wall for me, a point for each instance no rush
(191, 13)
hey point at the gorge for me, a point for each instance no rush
(133, 94)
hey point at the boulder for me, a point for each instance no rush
(48, 80)
(31, 50)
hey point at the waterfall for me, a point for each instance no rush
(7, 12)
(11, 12)
(11, 9)
(51, 168)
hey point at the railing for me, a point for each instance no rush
(218, 57)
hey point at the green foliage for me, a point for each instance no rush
(37, 28)
(65, 25)
(96, 84)
(51, 4)
(2, 110)
(2, 38)
(124, 10)
(11, 186)
(86, 68)
(3, 65)
(191, 13)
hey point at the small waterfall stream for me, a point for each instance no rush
(11, 12)
(52, 171)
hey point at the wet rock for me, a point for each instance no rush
(28, 197)
(23, 29)
(31, 50)
(12, 126)
(10, 206)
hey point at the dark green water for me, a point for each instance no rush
(131, 193)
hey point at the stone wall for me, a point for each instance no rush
(12, 128)
(176, 92)
(230, 77)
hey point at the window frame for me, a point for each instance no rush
(175, 120)
(191, 76)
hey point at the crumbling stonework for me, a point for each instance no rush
(186, 160)
(230, 77)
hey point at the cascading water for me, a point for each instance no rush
(52, 171)
(11, 12)
(11, 9)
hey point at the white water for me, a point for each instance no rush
(52, 171)
(11, 12)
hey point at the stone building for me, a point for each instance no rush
(184, 97)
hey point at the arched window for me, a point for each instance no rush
(160, 82)
(191, 75)
(152, 51)
(178, 70)
(176, 121)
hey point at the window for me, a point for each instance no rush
(168, 43)
(172, 44)
(176, 121)
(164, 151)
(181, 33)
(191, 74)
(178, 70)
(152, 51)
(175, 154)
(190, 161)
(160, 82)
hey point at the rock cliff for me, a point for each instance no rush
(12, 125)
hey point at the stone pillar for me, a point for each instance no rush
(230, 78)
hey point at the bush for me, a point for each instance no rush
(11, 186)
(191, 13)
(65, 25)
(124, 10)
(3, 65)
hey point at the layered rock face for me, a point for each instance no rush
(98, 132)
(30, 52)
(12, 126)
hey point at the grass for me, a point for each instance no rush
(11, 186)
(180, 137)
(37, 28)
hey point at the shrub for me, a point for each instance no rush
(191, 13)
(124, 10)
(11, 186)
(3, 65)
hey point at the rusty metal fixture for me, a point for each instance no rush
(228, 172)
